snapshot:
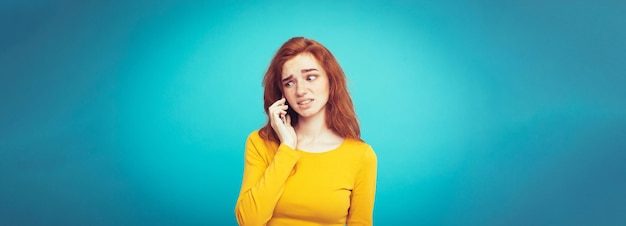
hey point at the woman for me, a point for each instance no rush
(308, 164)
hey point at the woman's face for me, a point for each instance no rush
(305, 85)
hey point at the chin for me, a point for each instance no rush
(308, 112)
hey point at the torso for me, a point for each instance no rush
(319, 189)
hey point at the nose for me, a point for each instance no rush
(301, 89)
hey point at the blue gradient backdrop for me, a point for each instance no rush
(481, 113)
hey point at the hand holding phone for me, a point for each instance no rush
(281, 122)
(282, 116)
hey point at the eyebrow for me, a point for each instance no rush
(288, 78)
(308, 70)
(301, 71)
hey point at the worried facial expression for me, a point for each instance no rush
(305, 85)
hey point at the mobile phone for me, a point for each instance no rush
(282, 117)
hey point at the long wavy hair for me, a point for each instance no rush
(340, 115)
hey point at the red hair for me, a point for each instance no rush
(340, 115)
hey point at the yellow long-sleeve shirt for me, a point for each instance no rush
(283, 186)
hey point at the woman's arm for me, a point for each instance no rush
(263, 181)
(362, 197)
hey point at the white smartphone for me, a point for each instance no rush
(282, 117)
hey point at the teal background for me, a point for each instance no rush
(481, 113)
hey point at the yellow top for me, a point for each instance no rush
(283, 186)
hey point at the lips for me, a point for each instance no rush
(304, 102)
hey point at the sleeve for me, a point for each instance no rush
(362, 197)
(263, 182)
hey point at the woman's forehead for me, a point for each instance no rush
(302, 63)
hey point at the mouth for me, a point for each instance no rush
(304, 102)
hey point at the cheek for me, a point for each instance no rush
(326, 90)
(290, 95)
(323, 86)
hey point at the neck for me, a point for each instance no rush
(311, 128)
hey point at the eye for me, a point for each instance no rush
(288, 84)
(311, 77)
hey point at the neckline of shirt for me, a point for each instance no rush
(345, 140)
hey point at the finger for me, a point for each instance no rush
(283, 107)
(275, 105)
(278, 114)
(273, 110)
(283, 118)
(280, 101)
(288, 119)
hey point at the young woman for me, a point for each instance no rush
(308, 164)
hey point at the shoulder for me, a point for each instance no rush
(256, 143)
(254, 136)
(255, 139)
(362, 155)
(362, 149)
